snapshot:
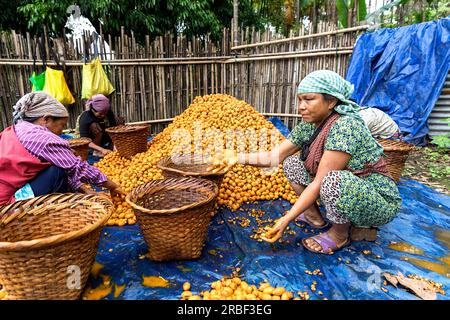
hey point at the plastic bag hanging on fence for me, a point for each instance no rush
(38, 80)
(56, 86)
(95, 80)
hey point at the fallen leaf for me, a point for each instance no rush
(392, 279)
(419, 287)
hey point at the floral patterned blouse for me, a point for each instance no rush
(372, 201)
(348, 135)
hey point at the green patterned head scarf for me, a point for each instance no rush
(325, 81)
(329, 82)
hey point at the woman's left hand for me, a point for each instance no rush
(275, 233)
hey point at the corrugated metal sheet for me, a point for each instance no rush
(441, 111)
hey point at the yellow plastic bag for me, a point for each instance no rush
(95, 80)
(56, 86)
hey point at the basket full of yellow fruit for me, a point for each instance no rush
(130, 139)
(174, 215)
(80, 147)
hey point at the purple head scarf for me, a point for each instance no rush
(99, 103)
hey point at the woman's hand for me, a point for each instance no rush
(118, 191)
(105, 151)
(85, 190)
(114, 188)
(221, 161)
(275, 233)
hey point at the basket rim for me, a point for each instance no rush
(178, 209)
(396, 145)
(78, 142)
(129, 127)
(65, 200)
(162, 164)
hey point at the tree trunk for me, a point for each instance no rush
(350, 17)
(297, 11)
(334, 19)
(315, 18)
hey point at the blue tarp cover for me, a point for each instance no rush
(348, 274)
(423, 223)
(402, 71)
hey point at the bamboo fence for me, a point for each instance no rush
(157, 80)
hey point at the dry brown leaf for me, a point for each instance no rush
(391, 279)
(421, 288)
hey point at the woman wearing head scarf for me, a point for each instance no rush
(93, 122)
(35, 161)
(340, 163)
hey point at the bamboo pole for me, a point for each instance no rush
(314, 35)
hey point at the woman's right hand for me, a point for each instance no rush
(105, 151)
(275, 233)
(220, 161)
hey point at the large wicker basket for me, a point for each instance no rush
(80, 147)
(48, 244)
(189, 166)
(130, 139)
(397, 153)
(174, 216)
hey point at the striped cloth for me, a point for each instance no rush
(46, 146)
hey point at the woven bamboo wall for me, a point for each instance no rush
(158, 79)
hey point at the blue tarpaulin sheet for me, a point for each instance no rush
(421, 227)
(402, 71)
(348, 274)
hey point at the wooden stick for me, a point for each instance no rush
(315, 35)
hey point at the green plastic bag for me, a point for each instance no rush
(37, 81)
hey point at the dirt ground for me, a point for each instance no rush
(429, 167)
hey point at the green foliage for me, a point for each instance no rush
(414, 11)
(443, 140)
(9, 15)
(342, 9)
(439, 171)
(344, 6)
(143, 17)
(44, 12)
(437, 160)
(362, 10)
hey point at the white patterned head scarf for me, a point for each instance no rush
(36, 105)
(329, 82)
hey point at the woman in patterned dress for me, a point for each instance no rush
(340, 163)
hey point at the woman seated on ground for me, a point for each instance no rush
(340, 163)
(93, 122)
(35, 161)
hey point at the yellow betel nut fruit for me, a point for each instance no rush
(213, 116)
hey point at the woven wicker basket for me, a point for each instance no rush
(80, 147)
(43, 239)
(189, 166)
(129, 139)
(397, 153)
(174, 215)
